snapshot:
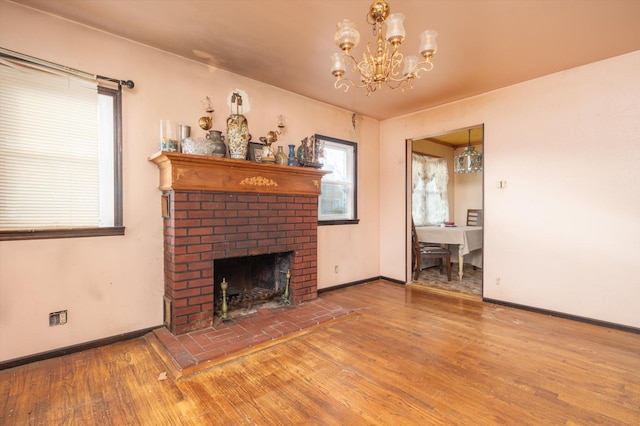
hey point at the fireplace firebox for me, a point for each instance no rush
(252, 281)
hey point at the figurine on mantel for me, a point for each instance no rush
(310, 152)
(267, 153)
(268, 156)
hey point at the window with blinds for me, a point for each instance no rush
(59, 153)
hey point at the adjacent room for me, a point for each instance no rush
(312, 212)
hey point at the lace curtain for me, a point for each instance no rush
(430, 201)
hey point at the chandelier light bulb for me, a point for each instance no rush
(395, 30)
(410, 65)
(337, 68)
(428, 46)
(347, 36)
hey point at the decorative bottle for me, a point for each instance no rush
(291, 161)
(237, 130)
(281, 157)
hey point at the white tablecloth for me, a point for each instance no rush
(467, 238)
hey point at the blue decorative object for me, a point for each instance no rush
(292, 156)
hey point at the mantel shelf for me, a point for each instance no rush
(187, 172)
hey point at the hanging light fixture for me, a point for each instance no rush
(469, 160)
(384, 64)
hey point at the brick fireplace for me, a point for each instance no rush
(219, 208)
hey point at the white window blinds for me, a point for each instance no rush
(49, 149)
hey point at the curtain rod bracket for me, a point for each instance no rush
(127, 83)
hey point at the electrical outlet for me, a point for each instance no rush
(57, 318)
(497, 281)
(336, 269)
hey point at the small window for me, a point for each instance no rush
(60, 168)
(338, 202)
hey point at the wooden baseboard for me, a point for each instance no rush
(600, 323)
(368, 280)
(74, 348)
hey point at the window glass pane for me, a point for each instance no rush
(430, 199)
(338, 201)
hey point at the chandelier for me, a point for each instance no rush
(469, 160)
(383, 64)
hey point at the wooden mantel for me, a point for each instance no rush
(187, 172)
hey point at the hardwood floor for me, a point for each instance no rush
(412, 356)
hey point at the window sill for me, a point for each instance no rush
(42, 234)
(338, 222)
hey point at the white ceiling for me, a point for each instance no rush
(482, 44)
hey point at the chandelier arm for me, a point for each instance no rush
(343, 83)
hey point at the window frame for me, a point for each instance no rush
(354, 197)
(78, 232)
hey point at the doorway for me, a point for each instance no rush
(436, 199)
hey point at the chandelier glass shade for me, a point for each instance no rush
(468, 161)
(384, 64)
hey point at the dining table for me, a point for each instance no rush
(467, 238)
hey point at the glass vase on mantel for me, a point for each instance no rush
(291, 161)
(237, 130)
(281, 157)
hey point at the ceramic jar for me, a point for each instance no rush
(217, 141)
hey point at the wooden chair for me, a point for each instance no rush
(423, 251)
(474, 217)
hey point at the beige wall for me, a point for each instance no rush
(114, 285)
(568, 146)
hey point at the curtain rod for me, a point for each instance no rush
(52, 65)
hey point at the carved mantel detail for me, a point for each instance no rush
(258, 181)
(187, 172)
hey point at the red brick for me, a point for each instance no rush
(193, 231)
(186, 258)
(186, 276)
(182, 241)
(200, 300)
(248, 198)
(226, 197)
(186, 310)
(268, 198)
(214, 222)
(183, 294)
(186, 205)
(200, 196)
(246, 244)
(201, 282)
(259, 206)
(225, 213)
(199, 214)
(213, 206)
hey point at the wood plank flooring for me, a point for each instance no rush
(412, 357)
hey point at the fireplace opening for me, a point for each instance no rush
(252, 281)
